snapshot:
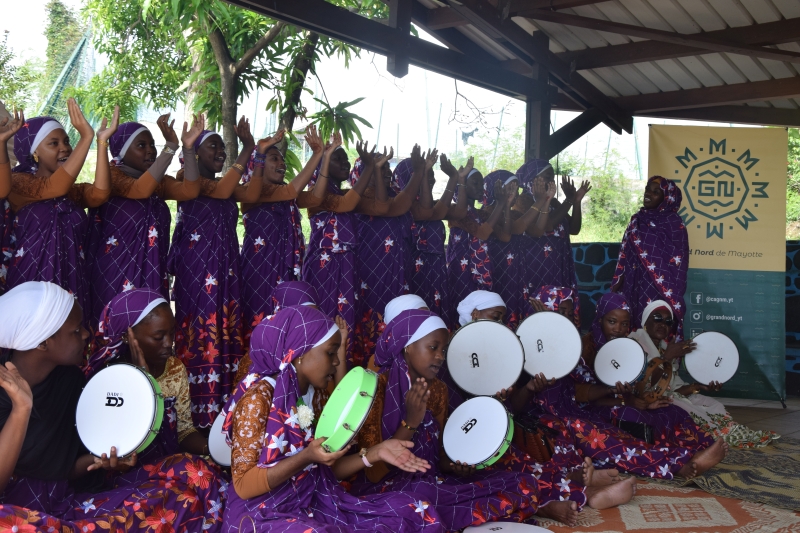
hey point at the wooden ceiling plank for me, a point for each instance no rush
(701, 41)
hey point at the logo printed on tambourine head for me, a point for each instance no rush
(475, 362)
(469, 424)
(114, 399)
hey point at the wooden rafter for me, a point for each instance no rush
(444, 17)
(738, 93)
(696, 40)
(517, 41)
(769, 33)
(739, 114)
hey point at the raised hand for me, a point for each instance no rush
(550, 190)
(77, 119)
(317, 454)
(499, 193)
(336, 142)
(539, 188)
(511, 191)
(105, 132)
(446, 165)
(584, 188)
(112, 462)
(417, 402)
(189, 135)
(17, 389)
(568, 187)
(313, 139)
(167, 128)
(10, 126)
(466, 169)
(244, 134)
(503, 394)
(430, 159)
(538, 307)
(137, 355)
(417, 161)
(268, 142)
(341, 323)
(398, 453)
(676, 350)
(538, 383)
(381, 160)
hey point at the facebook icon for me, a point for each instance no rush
(696, 298)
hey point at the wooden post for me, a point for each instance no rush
(400, 20)
(537, 123)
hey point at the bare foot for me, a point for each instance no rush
(597, 478)
(611, 495)
(564, 512)
(705, 460)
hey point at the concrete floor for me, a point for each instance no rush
(767, 415)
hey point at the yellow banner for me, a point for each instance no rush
(734, 192)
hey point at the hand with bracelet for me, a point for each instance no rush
(396, 453)
(416, 403)
(168, 131)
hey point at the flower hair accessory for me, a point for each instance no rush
(305, 416)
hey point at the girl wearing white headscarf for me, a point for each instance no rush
(709, 414)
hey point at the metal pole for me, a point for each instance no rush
(380, 119)
(608, 147)
(397, 149)
(427, 112)
(438, 123)
(499, 127)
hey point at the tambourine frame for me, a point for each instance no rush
(577, 360)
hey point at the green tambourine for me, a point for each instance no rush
(347, 409)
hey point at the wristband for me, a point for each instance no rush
(405, 425)
(363, 454)
(238, 167)
(102, 144)
(167, 150)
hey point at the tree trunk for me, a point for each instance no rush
(192, 91)
(300, 66)
(227, 78)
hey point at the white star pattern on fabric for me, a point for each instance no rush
(660, 280)
(651, 267)
(668, 293)
(127, 286)
(388, 242)
(677, 259)
(195, 237)
(320, 223)
(3, 271)
(278, 443)
(20, 252)
(464, 262)
(88, 505)
(643, 254)
(564, 485)
(152, 233)
(420, 507)
(325, 257)
(630, 452)
(213, 376)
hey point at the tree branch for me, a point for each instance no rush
(221, 52)
(249, 56)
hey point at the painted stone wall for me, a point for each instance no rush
(595, 263)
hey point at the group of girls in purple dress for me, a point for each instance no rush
(378, 283)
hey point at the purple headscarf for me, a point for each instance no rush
(205, 134)
(656, 242)
(489, 181)
(124, 311)
(122, 139)
(402, 174)
(552, 296)
(274, 344)
(28, 138)
(389, 357)
(528, 172)
(608, 302)
(292, 293)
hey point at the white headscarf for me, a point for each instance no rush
(477, 300)
(402, 303)
(46, 129)
(652, 306)
(32, 313)
(431, 324)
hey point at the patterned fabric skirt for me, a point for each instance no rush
(182, 494)
(334, 277)
(711, 416)
(427, 279)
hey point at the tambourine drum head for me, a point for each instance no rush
(217, 445)
(716, 358)
(485, 357)
(620, 360)
(120, 406)
(476, 430)
(347, 409)
(552, 344)
(506, 527)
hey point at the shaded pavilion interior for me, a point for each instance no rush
(711, 60)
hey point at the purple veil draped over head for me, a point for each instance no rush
(292, 293)
(489, 181)
(122, 139)
(402, 174)
(274, 344)
(528, 172)
(607, 303)
(124, 311)
(552, 296)
(654, 256)
(389, 357)
(25, 139)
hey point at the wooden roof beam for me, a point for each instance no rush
(697, 40)
(738, 114)
(517, 41)
(444, 17)
(778, 32)
(737, 93)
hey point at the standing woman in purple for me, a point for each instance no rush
(8, 127)
(469, 267)
(129, 235)
(548, 254)
(427, 276)
(49, 222)
(204, 259)
(273, 247)
(330, 263)
(654, 257)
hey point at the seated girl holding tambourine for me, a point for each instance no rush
(558, 404)
(654, 336)
(48, 481)
(283, 479)
(138, 327)
(411, 351)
